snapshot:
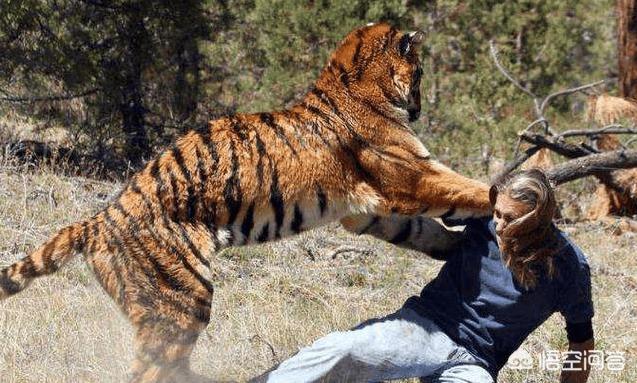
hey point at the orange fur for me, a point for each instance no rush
(344, 151)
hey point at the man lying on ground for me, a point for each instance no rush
(501, 280)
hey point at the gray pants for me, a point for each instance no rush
(402, 345)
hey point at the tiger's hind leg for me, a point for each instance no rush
(165, 292)
(165, 340)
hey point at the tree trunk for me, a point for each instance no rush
(132, 110)
(132, 107)
(187, 81)
(627, 47)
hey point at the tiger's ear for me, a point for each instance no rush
(410, 41)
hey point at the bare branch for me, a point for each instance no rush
(539, 106)
(60, 97)
(501, 68)
(558, 145)
(349, 249)
(257, 337)
(610, 129)
(565, 92)
(530, 126)
(588, 147)
(565, 149)
(536, 102)
(102, 4)
(584, 162)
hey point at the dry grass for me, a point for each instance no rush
(610, 202)
(605, 109)
(65, 329)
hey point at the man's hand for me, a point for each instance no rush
(582, 369)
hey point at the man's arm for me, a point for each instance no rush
(575, 303)
(416, 233)
(580, 339)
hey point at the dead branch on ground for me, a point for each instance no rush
(598, 165)
(600, 154)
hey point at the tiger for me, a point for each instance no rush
(344, 152)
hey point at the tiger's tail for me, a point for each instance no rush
(47, 259)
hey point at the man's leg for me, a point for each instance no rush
(462, 373)
(400, 345)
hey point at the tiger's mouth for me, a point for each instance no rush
(413, 107)
(414, 113)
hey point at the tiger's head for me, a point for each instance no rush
(379, 65)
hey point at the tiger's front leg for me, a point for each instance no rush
(413, 185)
(418, 233)
(449, 194)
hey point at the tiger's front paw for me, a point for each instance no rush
(483, 206)
(474, 203)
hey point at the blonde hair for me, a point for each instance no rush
(528, 243)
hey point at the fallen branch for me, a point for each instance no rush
(599, 165)
(585, 162)
(60, 97)
(560, 147)
(585, 159)
(546, 141)
(257, 337)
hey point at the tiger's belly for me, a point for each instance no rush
(279, 219)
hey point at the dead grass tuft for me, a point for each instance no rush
(540, 160)
(605, 109)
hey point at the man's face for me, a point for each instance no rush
(507, 209)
